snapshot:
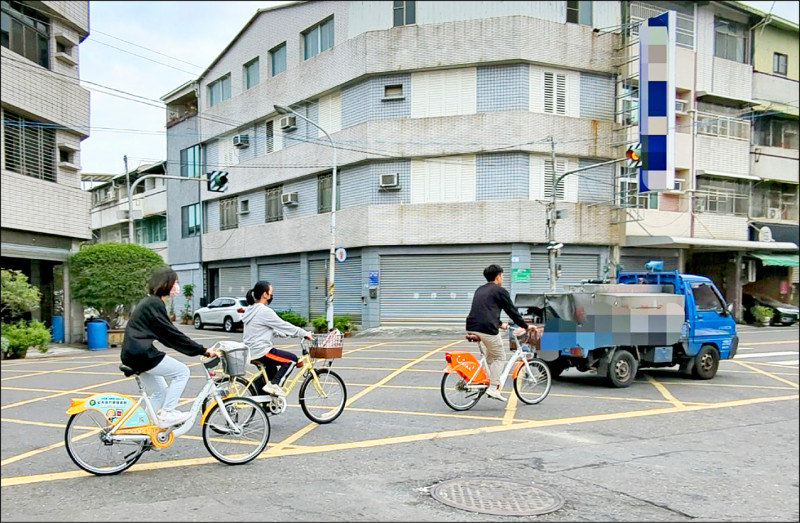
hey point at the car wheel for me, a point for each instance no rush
(706, 363)
(622, 369)
(197, 323)
(228, 324)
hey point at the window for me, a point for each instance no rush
(191, 162)
(722, 196)
(774, 195)
(555, 93)
(579, 12)
(274, 207)
(779, 64)
(65, 156)
(391, 92)
(151, 230)
(324, 193)
(629, 195)
(26, 32)
(730, 41)
(277, 59)
(317, 39)
(776, 132)
(270, 136)
(706, 298)
(723, 126)
(219, 90)
(404, 13)
(228, 213)
(30, 147)
(190, 220)
(251, 78)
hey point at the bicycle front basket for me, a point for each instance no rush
(234, 361)
(326, 346)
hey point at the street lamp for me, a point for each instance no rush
(281, 109)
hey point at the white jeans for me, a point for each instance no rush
(155, 383)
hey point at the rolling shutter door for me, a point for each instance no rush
(574, 268)
(285, 280)
(636, 263)
(347, 291)
(234, 281)
(433, 289)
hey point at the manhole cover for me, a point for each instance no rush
(497, 496)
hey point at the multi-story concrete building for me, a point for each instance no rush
(109, 213)
(45, 115)
(445, 118)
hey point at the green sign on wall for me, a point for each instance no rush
(521, 275)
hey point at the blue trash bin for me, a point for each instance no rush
(97, 334)
(57, 329)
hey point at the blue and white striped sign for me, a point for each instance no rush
(657, 102)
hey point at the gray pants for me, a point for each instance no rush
(491, 346)
(155, 383)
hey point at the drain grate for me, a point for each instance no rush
(497, 496)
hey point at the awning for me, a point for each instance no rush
(777, 260)
(721, 174)
(34, 252)
(708, 243)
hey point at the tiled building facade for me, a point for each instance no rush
(45, 115)
(462, 105)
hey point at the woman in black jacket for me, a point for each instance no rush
(149, 322)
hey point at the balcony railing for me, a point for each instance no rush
(177, 117)
(640, 11)
(723, 126)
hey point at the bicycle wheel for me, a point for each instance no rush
(83, 440)
(239, 387)
(222, 440)
(533, 382)
(326, 405)
(456, 394)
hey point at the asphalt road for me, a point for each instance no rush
(666, 449)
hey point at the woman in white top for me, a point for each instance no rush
(261, 323)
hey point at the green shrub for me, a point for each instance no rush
(343, 323)
(17, 296)
(292, 317)
(4, 344)
(320, 324)
(761, 313)
(112, 277)
(25, 334)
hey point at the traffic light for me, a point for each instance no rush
(634, 155)
(218, 181)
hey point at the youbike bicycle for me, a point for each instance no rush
(322, 394)
(108, 432)
(466, 378)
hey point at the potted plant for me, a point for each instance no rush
(186, 313)
(18, 297)
(344, 324)
(292, 317)
(762, 314)
(22, 335)
(172, 316)
(320, 324)
(111, 278)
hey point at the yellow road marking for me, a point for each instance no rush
(728, 385)
(511, 409)
(771, 375)
(88, 387)
(393, 440)
(664, 392)
(346, 352)
(431, 414)
(51, 371)
(35, 423)
(767, 342)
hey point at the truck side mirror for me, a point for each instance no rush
(729, 308)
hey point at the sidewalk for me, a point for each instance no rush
(59, 349)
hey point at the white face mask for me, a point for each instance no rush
(175, 291)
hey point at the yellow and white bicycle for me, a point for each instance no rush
(108, 432)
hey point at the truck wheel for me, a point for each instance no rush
(557, 367)
(622, 369)
(706, 363)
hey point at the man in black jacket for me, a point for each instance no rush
(484, 321)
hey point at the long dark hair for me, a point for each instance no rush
(161, 282)
(255, 294)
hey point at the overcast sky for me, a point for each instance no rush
(184, 37)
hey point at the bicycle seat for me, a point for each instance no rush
(472, 337)
(127, 371)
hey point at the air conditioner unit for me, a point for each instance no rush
(680, 105)
(773, 213)
(241, 140)
(244, 206)
(390, 181)
(289, 198)
(289, 123)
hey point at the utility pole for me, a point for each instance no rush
(130, 200)
(551, 219)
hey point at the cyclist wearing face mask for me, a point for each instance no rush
(261, 323)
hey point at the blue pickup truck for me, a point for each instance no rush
(647, 319)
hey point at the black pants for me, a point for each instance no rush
(276, 363)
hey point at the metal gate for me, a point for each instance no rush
(346, 294)
(285, 280)
(574, 269)
(433, 288)
(234, 281)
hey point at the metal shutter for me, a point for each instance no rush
(347, 291)
(285, 280)
(574, 268)
(433, 289)
(234, 281)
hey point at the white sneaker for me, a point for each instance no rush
(494, 392)
(275, 390)
(168, 418)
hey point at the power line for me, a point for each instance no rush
(140, 56)
(147, 48)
